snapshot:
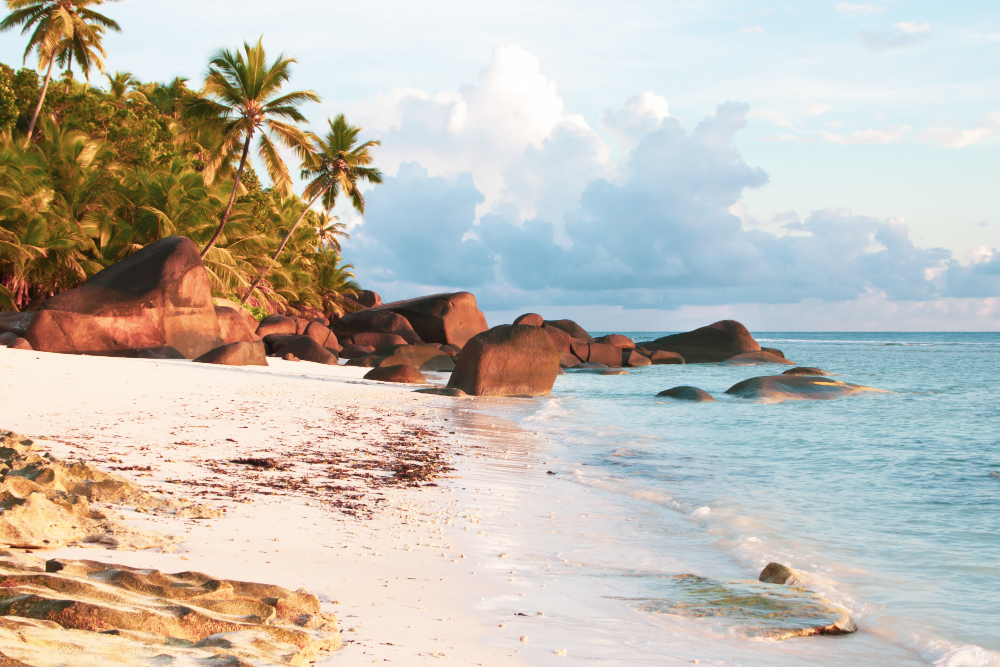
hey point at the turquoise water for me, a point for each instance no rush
(889, 501)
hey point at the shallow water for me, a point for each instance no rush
(889, 501)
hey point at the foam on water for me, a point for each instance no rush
(888, 504)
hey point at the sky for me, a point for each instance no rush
(648, 166)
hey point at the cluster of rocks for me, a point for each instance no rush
(88, 613)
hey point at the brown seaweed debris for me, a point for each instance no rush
(263, 464)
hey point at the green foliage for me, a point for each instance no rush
(18, 95)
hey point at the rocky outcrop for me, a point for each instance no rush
(377, 340)
(89, 613)
(508, 360)
(805, 370)
(444, 391)
(687, 394)
(322, 335)
(662, 357)
(438, 318)
(530, 319)
(714, 343)
(403, 373)
(616, 339)
(376, 320)
(276, 324)
(367, 298)
(163, 352)
(20, 344)
(305, 348)
(777, 388)
(568, 359)
(7, 338)
(233, 326)
(422, 357)
(159, 295)
(16, 323)
(356, 351)
(572, 328)
(633, 359)
(756, 359)
(236, 354)
(560, 339)
(605, 353)
(774, 351)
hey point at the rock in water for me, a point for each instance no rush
(398, 373)
(776, 573)
(88, 613)
(236, 354)
(756, 358)
(774, 351)
(441, 391)
(159, 295)
(777, 388)
(805, 370)
(572, 328)
(634, 359)
(616, 339)
(508, 360)
(531, 319)
(605, 353)
(687, 394)
(750, 608)
(714, 343)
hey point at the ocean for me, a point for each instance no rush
(661, 512)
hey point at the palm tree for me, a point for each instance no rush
(122, 86)
(242, 96)
(335, 165)
(62, 28)
(330, 230)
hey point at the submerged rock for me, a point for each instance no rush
(777, 388)
(686, 393)
(750, 608)
(663, 357)
(776, 573)
(756, 358)
(454, 392)
(805, 370)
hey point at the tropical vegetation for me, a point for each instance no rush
(89, 175)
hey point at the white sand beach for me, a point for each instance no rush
(412, 573)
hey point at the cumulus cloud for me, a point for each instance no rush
(948, 137)
(905, 34)
(544, 217)
(816, 108)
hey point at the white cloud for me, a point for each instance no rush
(816, 109)
(776, 117)
(948, 137)
(753, 30)
(859, 10)
(640, 116)
(871, 136)
(909, 28)
(780, 138)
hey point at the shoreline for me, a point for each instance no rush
(401, 581)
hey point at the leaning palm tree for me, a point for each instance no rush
(86, 49)
(54, 26)
(335, 166)
(242, 95)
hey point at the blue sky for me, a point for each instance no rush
(815, 165)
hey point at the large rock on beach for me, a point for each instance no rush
(162, 352)
(572, 328)
(714, 343)
(158, 295)
(236, 354)
(320, 333)
(440, 318)
(377, 340)
(403, 373)
(508, 360)
(376, 320)
(367, 298)
(686, 393)
(531, 319)
(16, 323)
(568, 359)
(305, 348)
(423, 357)
(777, 388)
(276, 324)
(756, 359)
(805, 370)
(356, 351)
(7, 337)
(562, 340)
(20, 344)
(233, 326)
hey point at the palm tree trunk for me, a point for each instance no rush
(41, 99)
(282, 246)
(232, 197)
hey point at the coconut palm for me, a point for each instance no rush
(335, 166)
(242, 95)
(122, 87)
(59, 28)
(330, 230)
